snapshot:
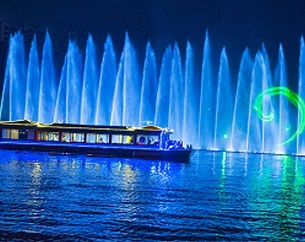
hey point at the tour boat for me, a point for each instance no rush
(148, 142)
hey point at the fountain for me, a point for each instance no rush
(106, 82)
(207, 103)
(48, 83)
(127, 92)
(90, 85)
(256, 113)
(149, 87)
(13, 94)
(33, 84)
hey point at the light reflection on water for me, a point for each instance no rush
(217, 196)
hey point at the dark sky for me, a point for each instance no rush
(236, 24)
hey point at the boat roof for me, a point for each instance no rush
(20, 122)
(83, 127)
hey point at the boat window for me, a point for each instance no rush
(55, 136)
(152, 140)
(5, 134)
(14, 133)
(129, 139)
(10, 133)
(122, 139)
(31, 134)
(77, 137)
(91, 138)
(48, 136)
(102, 138)
(42, 135)
(97, 138)
(72, 137)
(65, 137)
(166, 140)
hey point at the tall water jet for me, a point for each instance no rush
(33, 84)
(61, 107)
(132, 86)
(301, 137)
(191, 99)
(5, 102)
(48, 84)
(241, 104)
(13, 94)
(74, 83)
(207, 100)
(90, 84)
(269, 129)
(149, 88)
(260, 134)
(284, 113)
(254, 135)
(162, 103)
(224, 106)
(106, 85)
(125, 109)
(117, 106)
(176, 93)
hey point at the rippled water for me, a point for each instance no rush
(217, 196)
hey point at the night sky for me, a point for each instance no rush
(234, 24)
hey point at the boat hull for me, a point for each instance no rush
(137, 152)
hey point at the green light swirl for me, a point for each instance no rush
(293, 97)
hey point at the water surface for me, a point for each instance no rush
(217, 196)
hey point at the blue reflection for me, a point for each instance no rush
(217, 196)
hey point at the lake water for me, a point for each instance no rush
(217, 196)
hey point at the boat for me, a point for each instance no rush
(148, 142)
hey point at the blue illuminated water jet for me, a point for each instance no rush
(60, 106)
(33, 84)
(255, 138)
(108, 72)
(205, 107)
(90, 85)
(149, 88)
(224, 113)
(74, 83)
(162, 105)
(191, 98)
(301, 138)
(284, 118)
(242, 100)
(176, 93)
(14, 87)
(207, 103)
(48, 84)
(126, 100)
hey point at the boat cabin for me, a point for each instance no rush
(152, 136)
